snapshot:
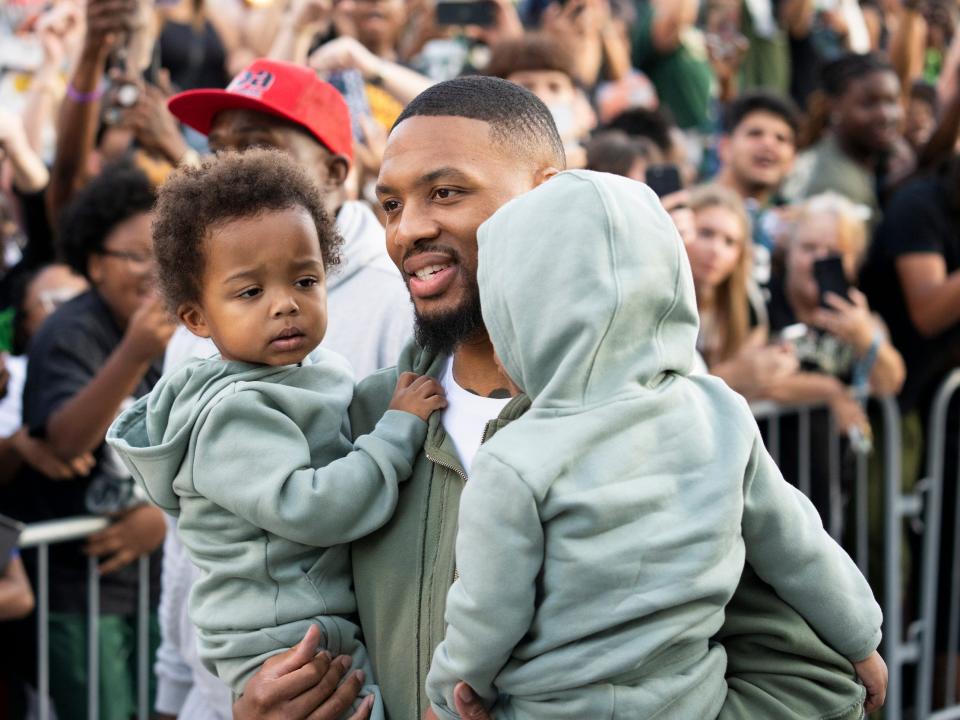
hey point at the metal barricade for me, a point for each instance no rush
(935, 482)
(41, 536)
(899, 506)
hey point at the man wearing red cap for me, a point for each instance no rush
(284, 106)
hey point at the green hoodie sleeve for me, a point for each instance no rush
(490, 607)
(789, 549)
(273, 485)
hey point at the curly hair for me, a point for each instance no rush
(119, 193)
(227, 187)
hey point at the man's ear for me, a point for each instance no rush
(95, 269)
(337, 168)
(191, 315)
(544, 174)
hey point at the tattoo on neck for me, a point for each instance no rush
(495, 394)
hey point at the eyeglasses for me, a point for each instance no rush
(133, 258)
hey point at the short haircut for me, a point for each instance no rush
(613, 151)
(120, 192)
(535, 52)
(837, 75)
(226, 187)
(641, 122)
(518, 119)
(761, 101)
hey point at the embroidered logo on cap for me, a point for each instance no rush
(253, 84)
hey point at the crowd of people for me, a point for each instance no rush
(805, 152)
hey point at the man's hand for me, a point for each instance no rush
(873, 674)
(300, 683)
(154, 126)
(108, 21)
(148, 331)
(138, 532)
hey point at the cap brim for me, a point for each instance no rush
(198, 108)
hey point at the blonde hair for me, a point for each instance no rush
(731, 298)
(851, 221)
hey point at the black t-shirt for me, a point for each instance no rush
(918, 219)
(65, 354)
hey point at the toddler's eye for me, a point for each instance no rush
(250, 293)
(307, 282)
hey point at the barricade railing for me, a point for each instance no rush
(900, 650)
(935, 481)
(41, 536)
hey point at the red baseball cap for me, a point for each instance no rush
(277, 88)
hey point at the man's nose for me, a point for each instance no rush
(414, 224)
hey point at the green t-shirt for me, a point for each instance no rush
(767, 62)
(682, 77)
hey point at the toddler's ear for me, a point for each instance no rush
(191, 315)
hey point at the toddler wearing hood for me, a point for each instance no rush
(602, 533)
(251, 451)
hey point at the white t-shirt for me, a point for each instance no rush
(466, 416)
(11, 407)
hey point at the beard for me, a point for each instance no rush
(441, 333)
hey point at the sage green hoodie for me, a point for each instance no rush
(256, 463)
(602, 533)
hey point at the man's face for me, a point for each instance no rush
(869, 113)
(441, 177)
(240, 130)
(551, 86)
(760, 151)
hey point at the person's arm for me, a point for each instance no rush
(852, 322)
(338, 503)
(16, 595)
(57, 28)
(29, 173)
(347, 53)
(301, 23)
(500, 536)
(671, 18)
(107, 22)
(788, 548)
(80, 424)
(932, 295)
(907, 44)
(796, 17)
(20, 448)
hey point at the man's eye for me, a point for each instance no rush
(250, 293)
(390, 206)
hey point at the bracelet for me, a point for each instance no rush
(864, 366)
(84, 97)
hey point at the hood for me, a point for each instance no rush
(364, 243)
(153, 436)
(586, 290)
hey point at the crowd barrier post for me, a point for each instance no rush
(41, 536)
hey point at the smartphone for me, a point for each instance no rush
(663, 179)
(830, 277)
(465, 12)
(10, 530)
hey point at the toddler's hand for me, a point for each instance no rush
(418, 394)
(873, 674)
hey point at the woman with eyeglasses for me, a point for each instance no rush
(90, 359)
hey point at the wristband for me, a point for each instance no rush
(84, 97)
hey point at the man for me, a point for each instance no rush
(284, 106)
(757, 151)
(457, 153)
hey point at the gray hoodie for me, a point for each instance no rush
(256, 464)
(602, 533)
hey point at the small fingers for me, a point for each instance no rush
(406, 379)
(363, 712)
(121, 559)
(331, 699)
